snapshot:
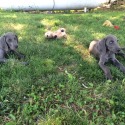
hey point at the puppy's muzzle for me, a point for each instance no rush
(118, 50)
(16, 46)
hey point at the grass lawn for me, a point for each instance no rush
(63, 84)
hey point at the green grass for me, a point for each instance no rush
(63, 84)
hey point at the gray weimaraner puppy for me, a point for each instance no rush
(105, 51)
(8, 45)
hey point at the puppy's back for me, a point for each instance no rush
(93, 48)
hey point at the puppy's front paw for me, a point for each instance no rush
(25, 63)
(21, 56)
(109, 77)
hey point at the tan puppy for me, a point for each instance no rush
(60, 33)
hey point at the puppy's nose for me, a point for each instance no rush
(118, 50)
(16, 46)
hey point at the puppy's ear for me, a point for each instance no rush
(3, 44)
(102, 45)
(16, 37)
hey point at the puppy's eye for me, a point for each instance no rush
(9, 40)
(111, 42)
(15, 38)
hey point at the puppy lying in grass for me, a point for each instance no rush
(105, 50)
(9, 45)
(60, 33)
